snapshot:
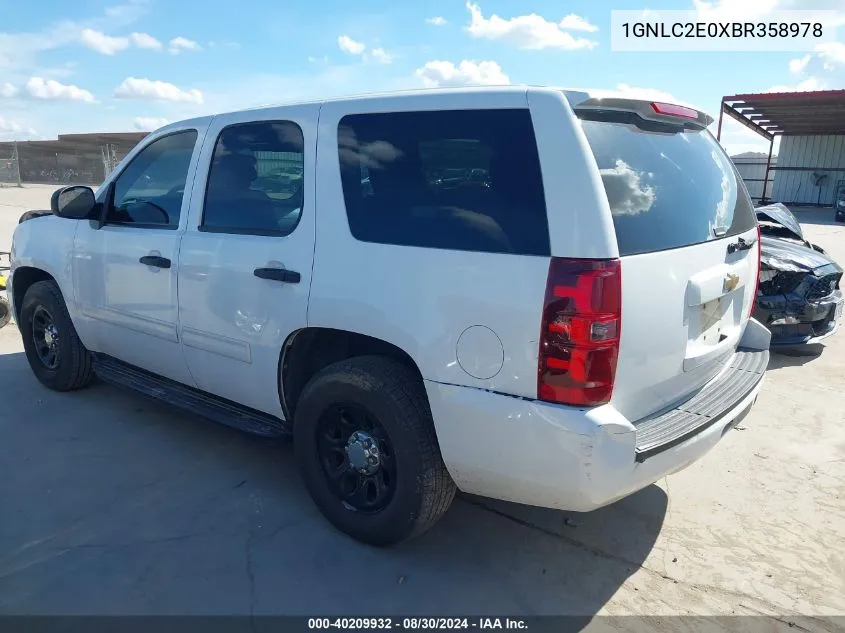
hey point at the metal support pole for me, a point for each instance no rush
(17, 160)
(721, 114)
(768, 168)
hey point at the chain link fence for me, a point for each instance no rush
(10, 167)
(76, 160)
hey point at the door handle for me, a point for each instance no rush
(278, 274)
(155, 260)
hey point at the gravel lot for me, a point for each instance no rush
(112, 504)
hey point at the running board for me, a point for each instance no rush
(120, 374)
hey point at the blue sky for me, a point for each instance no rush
(119, 65)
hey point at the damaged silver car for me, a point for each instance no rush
(799, 297)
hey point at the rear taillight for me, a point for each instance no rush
(579, 335)
(757, 280)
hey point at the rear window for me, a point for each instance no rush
(667, 187)
(464, 180)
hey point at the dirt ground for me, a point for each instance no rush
(113, 504)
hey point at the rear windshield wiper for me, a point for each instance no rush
(740, 245)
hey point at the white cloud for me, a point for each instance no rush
(626, 191)
(436, 21)
(149, 123)
(577, 23)
(102, 43)
(109, 45)
(14, 131)
(822, 69)
(180, 44)
(798, 65)
(135, 88)
(9, 128)
(354, 47)
(444, 74)
(530, 31)
(728, 10)
(832, 52)
(144, 40)
(811, 83)
(759, 10)
(381, 55)
(350, 46)
(19, 51)
(51, 89)
(7, 90)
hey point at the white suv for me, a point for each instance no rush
(527, 294)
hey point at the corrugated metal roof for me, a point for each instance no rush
(820, 112)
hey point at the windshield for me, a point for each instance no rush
(667, 187)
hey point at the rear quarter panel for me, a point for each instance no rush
(424, 300)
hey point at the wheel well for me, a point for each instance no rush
(24, 278)
(308, 351)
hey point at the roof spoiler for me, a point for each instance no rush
(650, 110)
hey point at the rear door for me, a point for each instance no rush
(687, 237)
(246, 256)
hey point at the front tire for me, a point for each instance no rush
(56, 355)
(5, 312)
(368, 453)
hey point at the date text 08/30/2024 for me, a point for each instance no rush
(420, 623)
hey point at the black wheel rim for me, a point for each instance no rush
(45, 336)
(357, 458)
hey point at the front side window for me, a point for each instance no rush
(255, 185)
(149, 191)
(464, 180)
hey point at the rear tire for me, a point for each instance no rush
(383, 401)
(56, 355)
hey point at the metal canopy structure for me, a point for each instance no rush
(771, 114)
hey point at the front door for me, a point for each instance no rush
(245, 261)
(125, 273)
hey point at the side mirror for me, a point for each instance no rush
(74, 203)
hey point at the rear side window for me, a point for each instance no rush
(255, 182)
(667, 187)
(464, 180)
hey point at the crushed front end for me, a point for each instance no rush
(799, 297)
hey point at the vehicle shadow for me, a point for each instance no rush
(122, 505)
(794, 356)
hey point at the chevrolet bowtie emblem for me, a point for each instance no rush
(731, 282)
